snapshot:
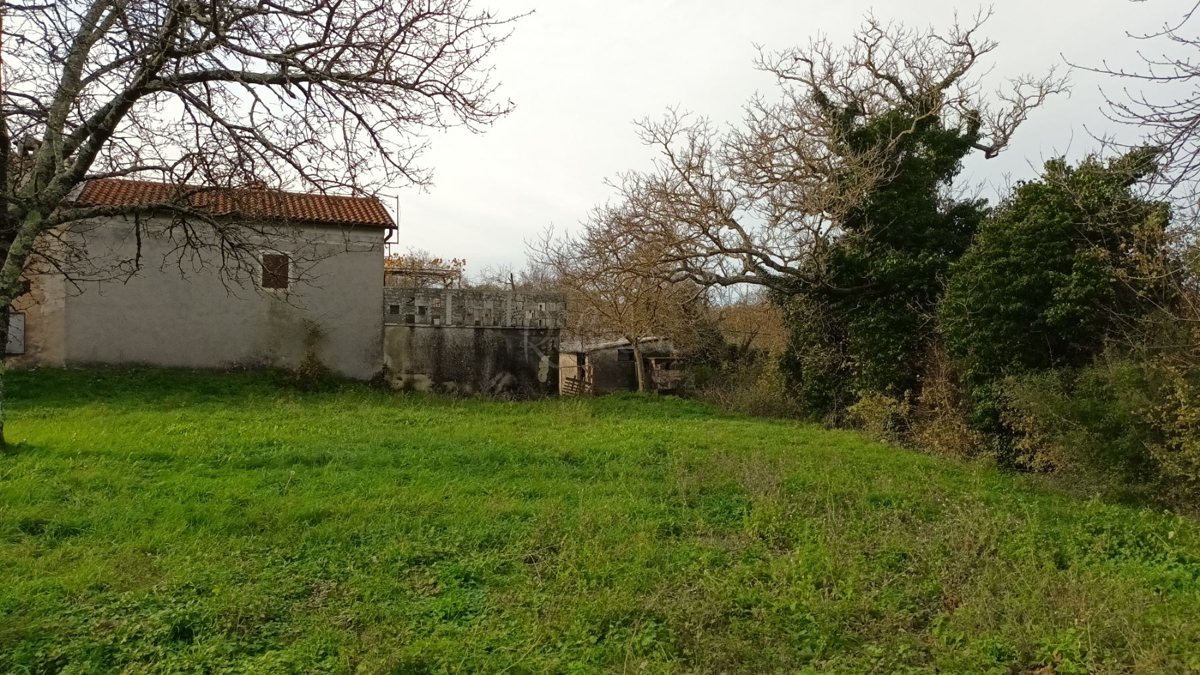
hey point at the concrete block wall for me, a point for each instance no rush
(473, 308)
(473, 341)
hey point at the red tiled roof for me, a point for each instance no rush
(266, 204)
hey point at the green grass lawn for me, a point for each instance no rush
(201, 523)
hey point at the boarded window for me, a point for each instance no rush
(393, 309)
(625, 355)
(276, 270)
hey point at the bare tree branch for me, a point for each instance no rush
(761, 202)
(316, 95)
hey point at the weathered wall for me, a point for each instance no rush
(467, 307)
(473, 341)
(469, 359)
(572, 374)
(609, 374)
(45, 322)
(177, 312)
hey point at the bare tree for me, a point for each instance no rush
(418, 268)
(532, 277)
(614, 285)
(1165, 108)
(502, 276)
(209, 95)
(1169, 113)
(759, 204)
(750, 321)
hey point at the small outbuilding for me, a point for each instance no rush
(608, 367)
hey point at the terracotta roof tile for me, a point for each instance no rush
(267, 204)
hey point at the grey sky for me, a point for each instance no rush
(581, 72)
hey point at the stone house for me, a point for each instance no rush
(311, 279)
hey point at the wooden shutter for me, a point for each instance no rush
(275, 270)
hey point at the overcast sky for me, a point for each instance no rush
(580, 73)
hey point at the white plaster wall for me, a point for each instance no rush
(179, 312)
(45, 322)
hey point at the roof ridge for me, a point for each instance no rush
(313, 207)
(237, 189)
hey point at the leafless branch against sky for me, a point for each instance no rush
(331, 96)
(628, 60)
(757, 203)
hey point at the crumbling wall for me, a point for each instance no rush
(511, 361)
(468, 341)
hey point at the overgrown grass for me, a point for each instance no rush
(188, 522)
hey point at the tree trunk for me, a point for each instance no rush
(24, 231)
(638, 366)
(11, 275)
(4, 312)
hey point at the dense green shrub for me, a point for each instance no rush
(1175, 414)
(1092, 419)
(881, 417)
(881, 281)
(1121, 421)
(1054, 274)
(936, 420)
(816, 363)
(752, 384)
(940, 418)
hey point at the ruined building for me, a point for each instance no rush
(473, 341)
